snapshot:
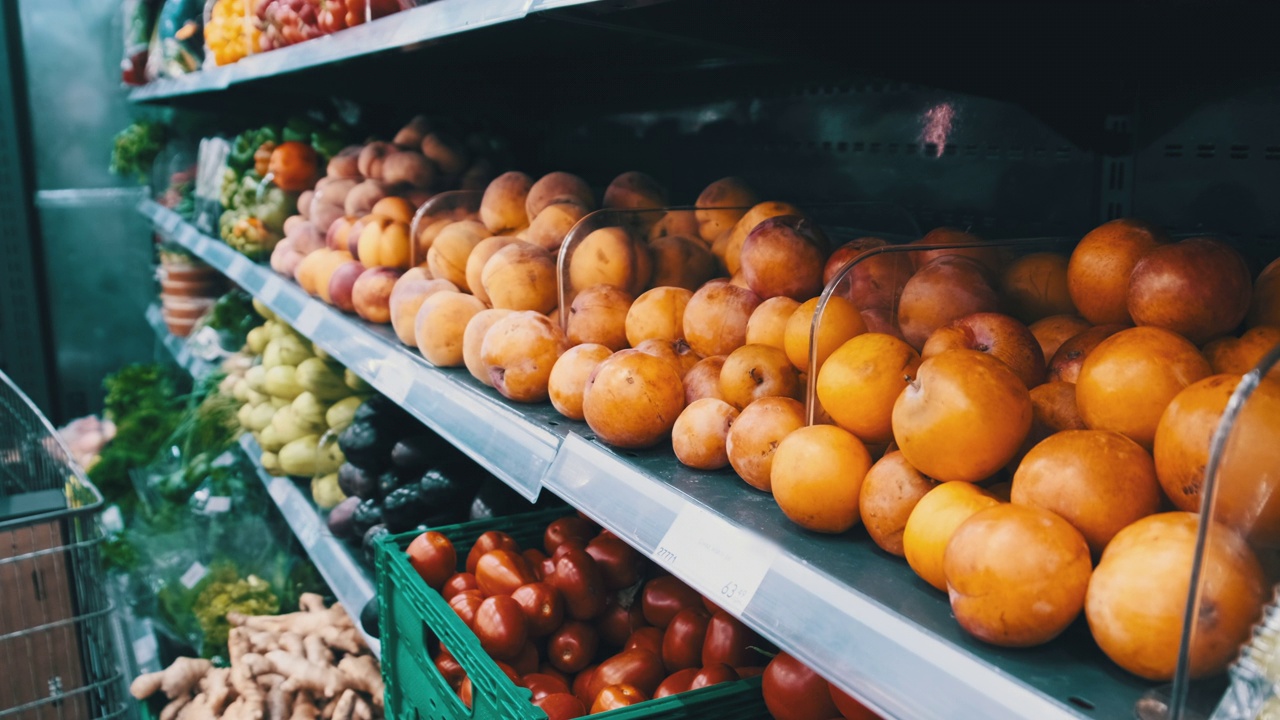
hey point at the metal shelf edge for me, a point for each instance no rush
(199, 368)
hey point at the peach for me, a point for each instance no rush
(876, 282)
(557, 187)
(658, 314)
(359, 201)
(720, 205)
(345, 164)
(1052, 331)
(341, 284)
(324, 273)
(1248, 497)
(679, 261)
(1199, 288)
(1127, 381)
(1099, 481)
(518, 353)
(932, 522)
(448, 155)
(1241, 355)
(784, 256)
(476, 260)
(599, 315)
(703, 379)
(989, 256)
(755, 371)
(521, 276)
(1035, 286)
(1185, 434)
(676, 352)
(730, 245)
(447, 258)
(756, 434)
(1000, 336)
(371, 294)
(701, 433)
(963, 417)
(440, 326)
(473, 342)
(943, 290)
(681, 223)
(408, 169)
(1100, 266)
(1265, 309)
(502, 209)
(862, 379)
(881, 321)
(715, 318)
(634, 191)
(411, 289)
(1016, 575)
(817, 475)
(569, 377)
(768, 322)
(889, 493)
(336, 237)
(840, 322)
(610, 256)
(550, 227)
(411, 134)
(1053, 409)
(632, 399)
(370, 159)
(1066, 362)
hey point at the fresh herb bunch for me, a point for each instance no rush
(223, 591)
(135, 149)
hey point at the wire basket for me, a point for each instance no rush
(57, 648)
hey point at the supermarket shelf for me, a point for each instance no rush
(854, 613)
(187, 360)
(351, 584)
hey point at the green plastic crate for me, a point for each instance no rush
(409, 610)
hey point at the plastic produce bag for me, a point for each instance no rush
(177, 45)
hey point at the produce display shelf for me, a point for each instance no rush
(430, 22)
(177, 347)
(854, 613)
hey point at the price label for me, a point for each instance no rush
(726, 562)
(279, 490)
(270, 290)
(309, 319)
(238, 266)
(170, 221)
(217, 504)
(200, 244)
(394, 378)
(144, 649)
(193, 575)
(308, 533)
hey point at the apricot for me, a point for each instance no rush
(881, 321)
(1097, 480)
(657, 314)
(889, 493)
(784, 256)
(634, 191)
(502, 209)
(816, 477)
(682, 262)
(549, 228)
(1052, 331)
(1053, 409)
(447, 258)
(442, 321)
(876, 282)
(720, 205)
(1016, 575)
(840, 322)
(632, 399)
(730, 246)
(1137, 597)
(1100, 266)
(1199, 288)
(715, 318)
(1035, 286)
(554, 188)
(1127, 381)
(521, 276)
(1065, 364)
(933, 520)
(755, 436)
(599, 315)
(943, 290)
(676, 352)
(963, 417)
(860, 382)
(371, 294)
(701, 432)
(1265, 308)
(473, 340)
(755, 371)
(768, 322)
(1241, 355)
(518, 353)
(610, 256)
(476, 260)
(703, 379)
(569, 377)
(1247, 494)
(988, 256)
(407, 297)
(1000, 336)
(678, 223)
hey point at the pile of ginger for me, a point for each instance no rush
(307, 665)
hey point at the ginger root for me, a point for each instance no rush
(146, 685)
(291, 643)
(197, 709)
(311, 602)
(346, 705)
(182, 675)
(347, 639)
(362, 673)
(216, 687)
(304, 707)
(170, 711)
(304, 675)
(316, 651)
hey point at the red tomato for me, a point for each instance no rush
(682, 642)
(499, 625)
(749, 671)
(450, 669)
(794, 692)
(646, 638)
(582, 683)
(542, 606)
(676, 683)
(433, 556)
(664, 597)
(728, 641)
(561, 706)
(713, 675)
(509, 671)
(545, 669)
(458, 583)
(850, 708)
(500, 572)
(464, 692)
(616, 696)
(543, 685)
(567, 528)
(566, 546)
(630, 667)
(465, 604)
(526, 661)
(536, 558)
(710, 606)
(617, 623)
(572, 647)
(579, 582)
(492, 540)
(620, 565)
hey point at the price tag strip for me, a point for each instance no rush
(309, 319)
(394, 378)
(237, 267)
(270, 290)
(725, 562)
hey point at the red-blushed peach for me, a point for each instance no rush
(715, 318)
(700, 433)
(371, 294)
(657, 314)
(632, 399)
(502, 209)
(440, 326)
(473, 341)
(569, 377)
(599, 315)
(519, 351)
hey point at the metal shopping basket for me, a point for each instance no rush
(57, 648)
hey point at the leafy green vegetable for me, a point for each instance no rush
(135, 149)
(139, 387)
(223, 591)
(233, 317)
